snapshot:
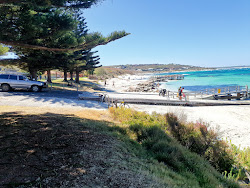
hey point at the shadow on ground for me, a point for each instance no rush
(52, 150)
(56, 96)
(59, 98)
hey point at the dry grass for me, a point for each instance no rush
(57, 150)
(100, 115)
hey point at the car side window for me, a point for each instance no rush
(4, 76)
(21, 78)
(13, 77)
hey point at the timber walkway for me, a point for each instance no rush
(118, 99)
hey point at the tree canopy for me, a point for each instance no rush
(54, 3)
(51, 34)
(47, 25)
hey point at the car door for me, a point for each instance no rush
(23, 82)
(13, 81)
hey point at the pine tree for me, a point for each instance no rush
(47, 25)
(44, 30)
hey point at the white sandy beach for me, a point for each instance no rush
(233, 122)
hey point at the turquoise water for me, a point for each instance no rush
(200, 80)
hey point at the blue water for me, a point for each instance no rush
(200, 80)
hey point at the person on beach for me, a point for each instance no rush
(113, 83)
(105, 83)
(179, 92)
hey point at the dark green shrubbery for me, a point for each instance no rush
(197, 138)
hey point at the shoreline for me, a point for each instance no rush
(233, 122)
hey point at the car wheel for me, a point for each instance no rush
(35, 88)
(5, 87)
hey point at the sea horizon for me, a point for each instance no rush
(209, 79)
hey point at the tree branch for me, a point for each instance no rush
(77, 5)
(85, 46)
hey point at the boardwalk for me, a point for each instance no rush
(119, 99)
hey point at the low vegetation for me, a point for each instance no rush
(59, 150)
(109, 72)
(155, 132)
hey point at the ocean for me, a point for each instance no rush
(201, 80)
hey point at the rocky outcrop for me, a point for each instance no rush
(149, 86)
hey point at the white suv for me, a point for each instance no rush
(12, 81)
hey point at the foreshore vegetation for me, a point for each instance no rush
(119, 148)
(160, 135)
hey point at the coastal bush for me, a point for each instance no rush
(235, 174)
(150, 132)
(201, 140)
(109, 72)
(131, 117)
(241, 156)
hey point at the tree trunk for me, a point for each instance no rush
(65, 75)
(33, 73)
(49, 76)
(77, 76)
(71, 75)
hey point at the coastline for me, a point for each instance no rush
(232, 122)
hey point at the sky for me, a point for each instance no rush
(207, 33)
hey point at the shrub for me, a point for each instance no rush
(197, 138)
(242, 156)
(155, 133)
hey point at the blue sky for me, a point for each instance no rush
(209, 33)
